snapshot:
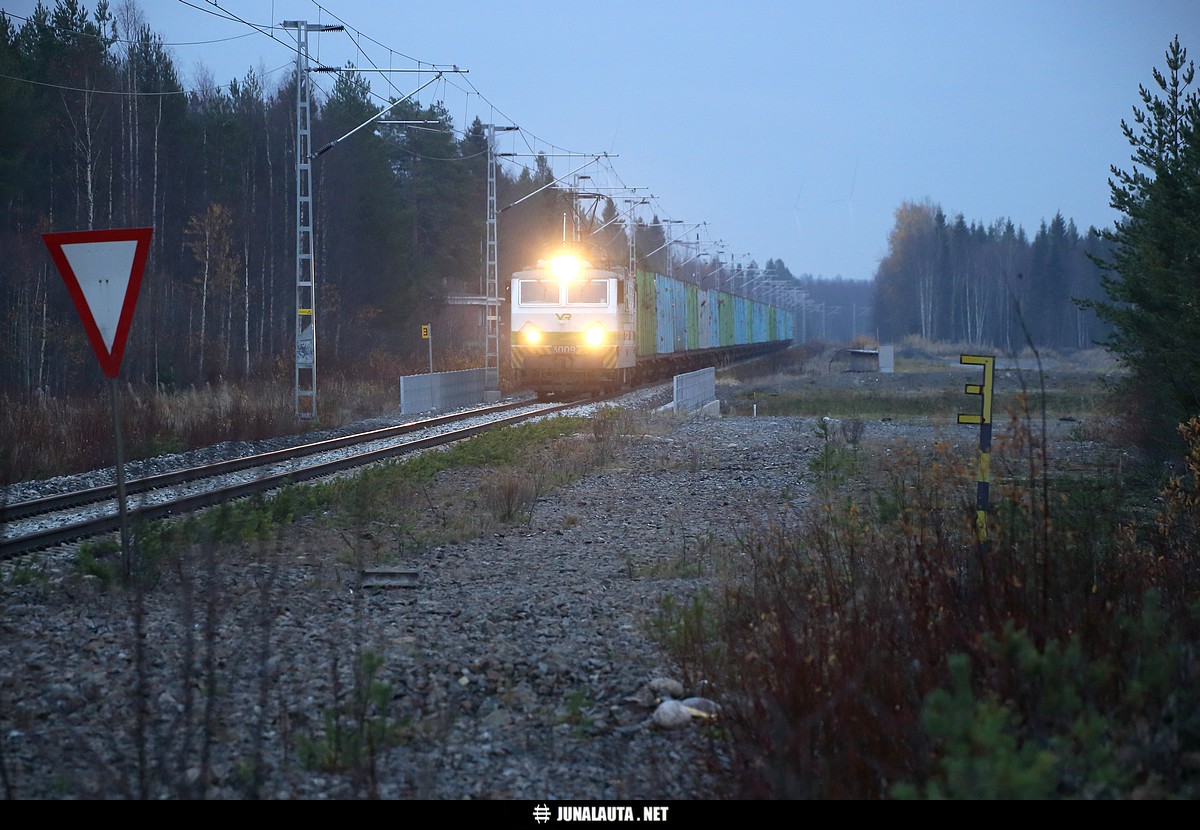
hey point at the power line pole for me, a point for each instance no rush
(491, 300)
(306, 312)
(306, 318)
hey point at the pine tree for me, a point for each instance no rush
(1153, 273)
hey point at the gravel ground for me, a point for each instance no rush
(518, 666)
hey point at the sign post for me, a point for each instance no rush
(984, 419)
(427, 334)
(103, 273)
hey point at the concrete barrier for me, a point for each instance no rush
(442, 390)
(696, 390)
(887, 359)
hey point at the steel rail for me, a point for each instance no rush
(40, 540)
(77, 498)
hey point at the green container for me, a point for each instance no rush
(647, 315)
(725, 313)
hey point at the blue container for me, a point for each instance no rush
(664, 315)
(741, 322)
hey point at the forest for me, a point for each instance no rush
(970, 283)
(98, 131)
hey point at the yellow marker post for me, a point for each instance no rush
(984, 419)
(425, 336)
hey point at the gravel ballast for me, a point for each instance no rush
(515, 664)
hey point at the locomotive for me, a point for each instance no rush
(581, 328)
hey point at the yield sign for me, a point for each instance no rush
(103, 272)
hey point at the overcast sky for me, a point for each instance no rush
(790, 129)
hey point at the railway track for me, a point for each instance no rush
(41, 523)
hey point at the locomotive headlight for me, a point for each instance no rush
(531, 334)
(595, 335)
(565, 267)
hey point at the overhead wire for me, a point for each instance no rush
(228, 15)
(15, 16)
(127, 41)
(357, 36)
(126, 93)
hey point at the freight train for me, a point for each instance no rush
(578, 328)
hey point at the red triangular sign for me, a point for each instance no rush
(103, 272)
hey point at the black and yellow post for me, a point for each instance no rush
(425, 335)
(984, 419)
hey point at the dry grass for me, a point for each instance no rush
(878, 649)
(42, 437)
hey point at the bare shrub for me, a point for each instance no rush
(834, 643)
(506, 495)
(852, 430)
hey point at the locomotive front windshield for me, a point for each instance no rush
(590, 292)
(539, 292)
(549, 292)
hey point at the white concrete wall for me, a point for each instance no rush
(695, 389)
(442, 390)
(887, 359)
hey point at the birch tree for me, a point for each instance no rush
(211, 242)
